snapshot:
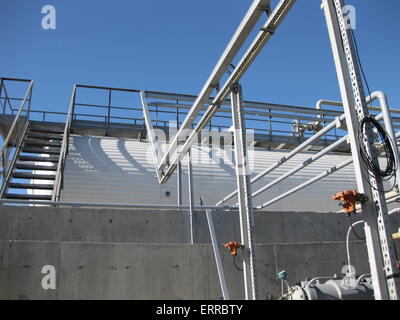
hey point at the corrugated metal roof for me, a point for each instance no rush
(110, 170)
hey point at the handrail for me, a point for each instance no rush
(64, 149)
(11, 131)
(11, 163)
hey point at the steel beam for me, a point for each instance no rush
(171, 158)
(375, 214)
(247, 229)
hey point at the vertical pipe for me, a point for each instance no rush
(179, 173)
(217, 255)
(388, 126)
(191, 199)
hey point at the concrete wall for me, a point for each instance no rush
(139, 254)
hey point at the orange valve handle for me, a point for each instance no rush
(233, 247)
(348, 200)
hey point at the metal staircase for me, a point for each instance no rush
(33, 155)
(33, 173)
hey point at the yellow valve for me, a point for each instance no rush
(396, 235)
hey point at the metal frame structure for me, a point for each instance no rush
(381, 252)
(171, 158)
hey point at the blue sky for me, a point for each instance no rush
(173, 46)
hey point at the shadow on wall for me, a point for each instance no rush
(101, 154)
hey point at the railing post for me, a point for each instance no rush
(59, 180)
(109, 108)
(29, 104)
(1, 90)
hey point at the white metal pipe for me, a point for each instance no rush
(217, 255)
(192, 218)
(307, 183)
(302, 165)
(387, 119)
(307, 162)
(290, 155)
(388, 126)
(385, 115)
(394, 211)
(348, 241)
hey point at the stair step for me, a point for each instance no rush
(29, 142)
(38, 159)
(28, 175)
(31, 186)
(46, 130)
(41, 150)
(48, 136)
(27, 196)
(24, 166)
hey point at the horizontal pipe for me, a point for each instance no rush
(301, 166)
(394, 211)
(307, 183)
(110, 205)
(290, 155)
(307, 162)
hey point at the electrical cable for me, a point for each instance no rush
(353, 230)
(359, 61)
(236, 266)
(372, 167)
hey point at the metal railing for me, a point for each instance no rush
(170, 109)
(13, 142)
(59, 180)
